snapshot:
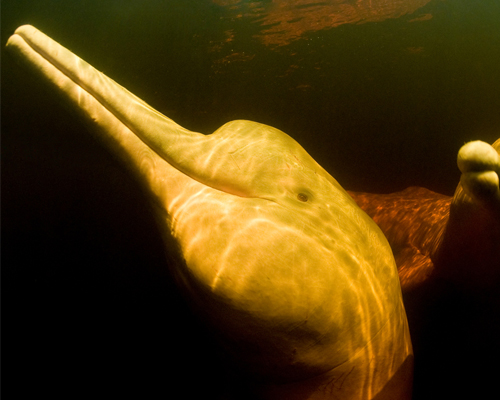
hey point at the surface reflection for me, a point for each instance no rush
(283, 21)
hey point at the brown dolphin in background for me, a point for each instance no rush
(456, 238)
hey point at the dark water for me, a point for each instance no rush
(382, 93)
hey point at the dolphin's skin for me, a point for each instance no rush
(448, 254)
(298, 282)
(454, 238)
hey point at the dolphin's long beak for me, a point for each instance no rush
(133, 129)
(56, 62)
(222, 160)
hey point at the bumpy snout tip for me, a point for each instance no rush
(478, 156)
(480, 166)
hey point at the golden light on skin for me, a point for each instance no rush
(456, 237)
(299, 283)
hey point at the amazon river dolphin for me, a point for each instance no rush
(454, 238)
(447, 250)
(298, 283)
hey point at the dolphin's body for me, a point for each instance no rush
(454, 238)
(298, 282)
(447, 250)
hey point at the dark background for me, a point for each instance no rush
(86, 303)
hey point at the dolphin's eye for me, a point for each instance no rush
(302, 197)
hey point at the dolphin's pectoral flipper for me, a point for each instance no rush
(479, 163)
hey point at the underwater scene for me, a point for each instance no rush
(323, 243)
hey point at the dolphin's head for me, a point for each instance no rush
(274, 255)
